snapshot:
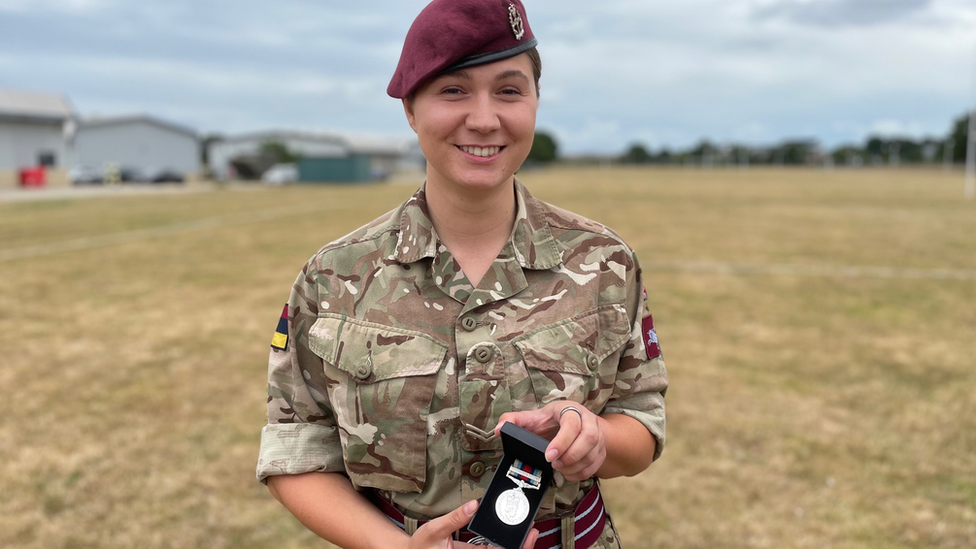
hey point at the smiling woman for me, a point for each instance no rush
(407, 344)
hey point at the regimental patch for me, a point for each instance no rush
(648, 334)
(280, 339)
(650, 337)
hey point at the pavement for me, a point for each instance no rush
(100, 191)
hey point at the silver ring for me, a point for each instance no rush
(573, 408)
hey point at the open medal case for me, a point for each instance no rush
(515, 493)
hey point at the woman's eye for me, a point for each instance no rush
(452, 91)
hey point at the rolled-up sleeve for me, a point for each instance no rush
(642, 379)
(301, 434)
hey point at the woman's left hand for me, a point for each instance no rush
(578, 448)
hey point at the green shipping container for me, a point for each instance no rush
(351, 169)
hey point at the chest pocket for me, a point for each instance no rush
(576, 359)
(380, 383)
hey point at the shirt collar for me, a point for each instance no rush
(531, 239)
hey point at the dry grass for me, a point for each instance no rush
(804, 411)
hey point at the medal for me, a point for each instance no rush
(512, 507)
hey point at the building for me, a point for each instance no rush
(320, 156)
(33, 127)
(141, 143)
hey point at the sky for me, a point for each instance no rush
(615, 72)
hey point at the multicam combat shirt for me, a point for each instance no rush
(395, 369)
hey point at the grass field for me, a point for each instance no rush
(810, 406)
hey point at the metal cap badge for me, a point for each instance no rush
(515, 20)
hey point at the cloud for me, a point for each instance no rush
(842, 13)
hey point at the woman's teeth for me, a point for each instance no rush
(479, 151)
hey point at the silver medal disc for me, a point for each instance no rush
(512, 507)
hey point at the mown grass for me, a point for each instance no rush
(804, 411)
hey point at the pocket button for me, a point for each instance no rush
(592, 362)
(469, 324)
(363, 371)
(477, 469)
(482, 354)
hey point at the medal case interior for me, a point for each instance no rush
(530, 448)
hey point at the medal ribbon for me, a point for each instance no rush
(524, 475)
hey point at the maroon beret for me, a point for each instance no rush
(450, 35)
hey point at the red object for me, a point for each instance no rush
(33, 177)
(455, 34)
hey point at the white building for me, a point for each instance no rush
(32, 132)
(386, 156)
(141, 142)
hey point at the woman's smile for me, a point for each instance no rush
(482, 153)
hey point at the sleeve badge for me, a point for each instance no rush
(280, 339)
(648, 334)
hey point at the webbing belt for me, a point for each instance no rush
(586, 523)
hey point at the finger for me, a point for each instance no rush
(583, 445)
(537, 421)
(531, 539)
(442, 527)
(570, 425)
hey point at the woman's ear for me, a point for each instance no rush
(408, 110)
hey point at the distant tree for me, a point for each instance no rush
(278, 152)
(636, 154)
(796, 152)
(958, 133)
(740, 154)
(664, 156)
(848, 155)
(875, 147)
(704, 147)
(908, 150)
(544, 148)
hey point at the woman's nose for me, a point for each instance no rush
(482, 118)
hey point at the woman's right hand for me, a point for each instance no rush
(437, 533)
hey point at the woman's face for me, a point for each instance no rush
(476, 125)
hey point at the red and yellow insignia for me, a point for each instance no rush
(280, 339)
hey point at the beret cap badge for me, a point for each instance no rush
(516, 21)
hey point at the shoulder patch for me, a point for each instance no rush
(280, 339)
(648, 334)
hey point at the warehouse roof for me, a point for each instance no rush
(24, 105)
(98, 122)
(353, 144)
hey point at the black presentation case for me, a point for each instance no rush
(531, 449)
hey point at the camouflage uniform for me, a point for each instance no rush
(397, 369)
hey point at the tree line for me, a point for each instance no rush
(875, 151)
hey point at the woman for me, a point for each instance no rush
(407, 344)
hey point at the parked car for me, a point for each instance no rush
(162, 175)
(85, 175)
(279, 174)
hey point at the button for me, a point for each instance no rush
(469, 324)
(363, 371)
(592, 362)
(477, 469)
(482, 354)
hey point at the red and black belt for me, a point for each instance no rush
(586, 524)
